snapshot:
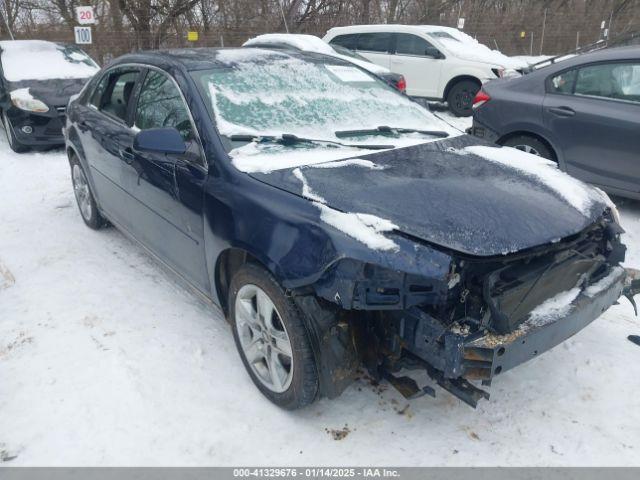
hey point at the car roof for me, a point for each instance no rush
(7, 44)
(606, 54)
(383, 28)
(205, 58)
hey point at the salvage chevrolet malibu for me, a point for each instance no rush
(339, 225)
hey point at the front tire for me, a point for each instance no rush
(272, 339)
(460, 97)
(84, 196)
(14, 144)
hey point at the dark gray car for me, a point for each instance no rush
(583, 113)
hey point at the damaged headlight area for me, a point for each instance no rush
(478, 318)
(23, 100)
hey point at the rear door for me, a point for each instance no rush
(421, 70)
(168, 188)
(594, 114)
(375, 46)
(104, 132)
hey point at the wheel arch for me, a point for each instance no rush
(227, 263)
(457, 79)
(528, 133)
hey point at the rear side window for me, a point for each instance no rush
(160, 105)
(563, 83)
(374, 42)
(619, 81)
(407, 44)
(114, 91)
(349, 41)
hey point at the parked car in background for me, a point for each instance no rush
(583, 113)
(290, 189)
(37, 78)
(310, 43)
(438, 63)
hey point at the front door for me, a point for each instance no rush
(168, 188)
(413, 57)
(594, 114)
(375, 47)
(104, 132)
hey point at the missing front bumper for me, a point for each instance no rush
(453, 358)
(492, 354)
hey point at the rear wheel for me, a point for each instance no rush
(15, 145)
(272, 339)
(84, 196)
(460, 97)
(530, 144)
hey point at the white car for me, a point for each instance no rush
(439, 63)
(311, 43)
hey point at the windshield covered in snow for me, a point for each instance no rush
(40, 60)
(282, 94)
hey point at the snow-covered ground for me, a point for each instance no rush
(106, 360)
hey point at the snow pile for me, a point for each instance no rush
(41, 60)
(311, 43)
(468, 48)
(603, 283)
(363, 227)
(577, 194)
(552, 309)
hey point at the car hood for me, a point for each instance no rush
(457, 193)
(54, 92)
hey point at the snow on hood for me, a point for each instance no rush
(41, 60)
(364, 227)
(468, 48)
(576, 193)
(311, 43)
(477, 202)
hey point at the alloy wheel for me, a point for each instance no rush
(527, 149)
(263, 338)
(82, 192)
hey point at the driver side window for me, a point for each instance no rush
(160, 105)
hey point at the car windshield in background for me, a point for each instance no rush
(277, 94)
(38, 60)
(349, 53)
(442, 35)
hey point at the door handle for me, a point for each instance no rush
(127, 155)
(562, 111)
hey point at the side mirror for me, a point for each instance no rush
(433, 52)
(160, 140)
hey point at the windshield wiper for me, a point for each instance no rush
(383, 129)
(290, 139)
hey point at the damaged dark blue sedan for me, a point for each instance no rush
(338, 224)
